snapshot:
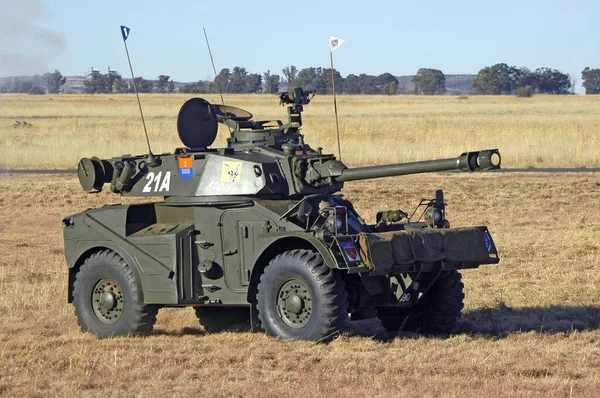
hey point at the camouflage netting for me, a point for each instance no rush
(456, 245)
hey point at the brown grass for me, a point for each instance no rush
(531, 325)
(543, 131)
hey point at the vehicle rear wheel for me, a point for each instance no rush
(437, 312)
(107, 300)
(300, 297)
(391, 318)
(220, 319)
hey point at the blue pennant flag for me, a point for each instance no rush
(125, 32)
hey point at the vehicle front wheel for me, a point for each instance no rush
(107, 300)
(300, 297)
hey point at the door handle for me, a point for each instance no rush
(230, 252)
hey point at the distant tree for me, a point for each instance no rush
(162, 83)
(267, 80)
(525, 91)
(524, 77)
(504, 79)
(54, 81)
(253, 83)
(319, 82)
(119, 87)
(199, 87)
(274, 83)
(339, 81)
(114, 82)
(238, 80)
(367, 84)
(351, 84)
(390, 88)
(289, 73)
(185, 89)
(310, 79)
(304, 78)
(495, 80)
(222, 80)
(96, 83)
(143, 85)
(271, 82)
(552, 81)
(386, 84)
(429, 81)
(591, 80)
(171, 86)
(384, 79)
(209, 87)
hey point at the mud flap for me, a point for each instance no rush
(254, 321)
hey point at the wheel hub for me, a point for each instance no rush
(295, 303)
(107, 300)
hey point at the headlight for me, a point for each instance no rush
(437, 216)
(336, 222)
(434, 216)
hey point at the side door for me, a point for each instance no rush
(239, 231)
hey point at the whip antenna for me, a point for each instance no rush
(152, 161)
(213, 64)
(334, 43)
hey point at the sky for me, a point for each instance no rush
(399, 37)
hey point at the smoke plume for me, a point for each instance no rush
(26, 47)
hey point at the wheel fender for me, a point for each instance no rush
(305, 241)
(86, 248)
(283, 243)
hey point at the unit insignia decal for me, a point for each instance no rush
(231, 172)
(186, 167)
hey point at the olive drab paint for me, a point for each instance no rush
(230, 215)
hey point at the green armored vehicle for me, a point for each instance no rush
(258, 232)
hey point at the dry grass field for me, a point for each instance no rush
(543, 131)
(531, 325)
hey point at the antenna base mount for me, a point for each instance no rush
(153, 161)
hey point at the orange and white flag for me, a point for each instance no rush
(334, 43)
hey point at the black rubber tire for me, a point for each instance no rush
(437, 312)
(329, 298)
(220, 319)
(136, 318)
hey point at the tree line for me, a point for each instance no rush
(498, 79)
(112, 82)
(239, 80)
(48, 83)
(503, 79)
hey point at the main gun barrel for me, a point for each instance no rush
(469, 161)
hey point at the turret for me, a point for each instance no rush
(265, 159)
